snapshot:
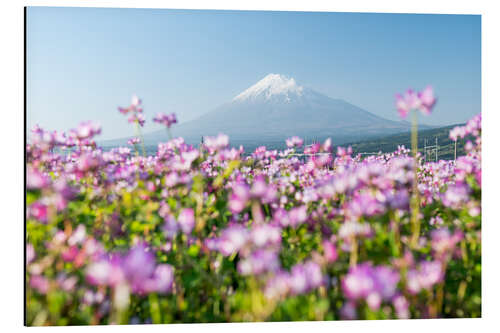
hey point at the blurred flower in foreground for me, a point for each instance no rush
(372, 284)
(411, 100)
(135, 106)
(294, 141)
(165, 119)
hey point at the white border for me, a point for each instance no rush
(11, 163)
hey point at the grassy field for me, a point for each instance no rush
(390, 143)
(384, 144)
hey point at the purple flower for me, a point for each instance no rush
(38, 211)
(364, 204)
(88, 161)
(70, 253)
(386, 280)
(457, 132)
(30, 253)
(265, 234)
(427, 100)
(343, 152)
(67, 284)
(259, 187)
(186, 220)
(294, 141)
(294, 217)
(313, 275)
(239, 197)
(165, 119)
(36, 179)
(359, 282)
(136, 272)
(327, 145)
(278, 285)
(135, 106)
(161, 281)
(87, 130)
(424, 277)
(423, 101)
(298, 279)
(216, 143)
(78, 236)
(134, 141)
(233, 239)
(305, 277)
(259, 261)
(297, 215)
(401, 305)
(137, 118)
(400, 199)
(261, 190)
(138, 265)
(409, 101)
(171, 227)
(330, 252)
(40, 283)
(353, 228)
(373, 284)
(442, 241)
(312, 149)
(348, 311)
(455, 195)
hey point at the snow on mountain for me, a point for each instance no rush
(270, 86)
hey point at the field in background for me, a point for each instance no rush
(384, 144)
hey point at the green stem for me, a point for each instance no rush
(353, 258)
(139, 134)
(257, 215)
(396, 235)
(154, 308)
(415, 200)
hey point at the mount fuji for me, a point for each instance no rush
(276, 108)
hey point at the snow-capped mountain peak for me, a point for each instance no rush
(271, 86)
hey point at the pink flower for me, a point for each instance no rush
(137, 118)
(239, 197)
(135, 106)
(232, 239)
(165, 119)
(134, 141)
(294, 141)
(409, 101)
(36, 179)
(424, 277)
(330, 253)
(423, 101)
(38, 211)
(215, 143)
(186, 220)
(427, 100)
(30, 253)
(40, 283)
(87, 130)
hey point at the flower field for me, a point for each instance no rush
(208, 234)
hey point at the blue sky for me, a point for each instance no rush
(84, 62)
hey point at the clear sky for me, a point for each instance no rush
(84, 62)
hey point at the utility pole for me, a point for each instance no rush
(455, 149)
(425, 150)
(437, 149)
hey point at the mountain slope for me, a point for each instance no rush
(277, 107)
